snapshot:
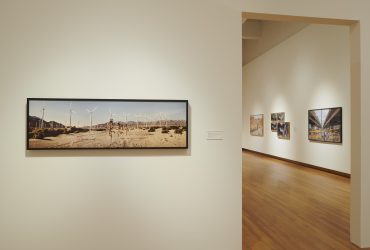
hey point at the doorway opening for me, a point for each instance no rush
(293, 65)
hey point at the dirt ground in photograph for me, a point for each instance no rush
(136, 138)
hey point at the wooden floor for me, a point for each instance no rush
(290, 207)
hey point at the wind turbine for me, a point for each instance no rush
(160, 119)
(91, 115)
(125, 115)
(66, 120)
(137, 119)
(165, 119)
(150, 118)
(146, 120)
(70, 114)
(42, 117)
(111, 115)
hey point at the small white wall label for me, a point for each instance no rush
(215, 135)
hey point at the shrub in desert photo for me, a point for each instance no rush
(165, 130)
(178, 131)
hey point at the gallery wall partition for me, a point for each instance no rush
(306, 99)
(162, 198)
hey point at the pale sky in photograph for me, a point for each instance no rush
(59, 111)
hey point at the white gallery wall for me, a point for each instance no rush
(122, 199)
(309, 70)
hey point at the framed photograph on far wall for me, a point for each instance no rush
(106, 124)
(256, 125)
(283, 130)
(325, 125)
(276, 118)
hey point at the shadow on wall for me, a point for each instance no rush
(109, 153)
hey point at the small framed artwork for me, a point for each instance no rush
(283, 130)
(106, 124)
(276, 118)
(325, 125)
(256, 125)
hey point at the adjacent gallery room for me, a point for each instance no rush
(296, 135)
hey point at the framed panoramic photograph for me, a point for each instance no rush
(276, 118)
(325, 125)
(106, 124)
(283, 130)
(256, 125)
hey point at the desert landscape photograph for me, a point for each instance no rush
(106, 124)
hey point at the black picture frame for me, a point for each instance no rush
(47, 132)
(339, 117)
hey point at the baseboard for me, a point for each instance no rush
(300, 163)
